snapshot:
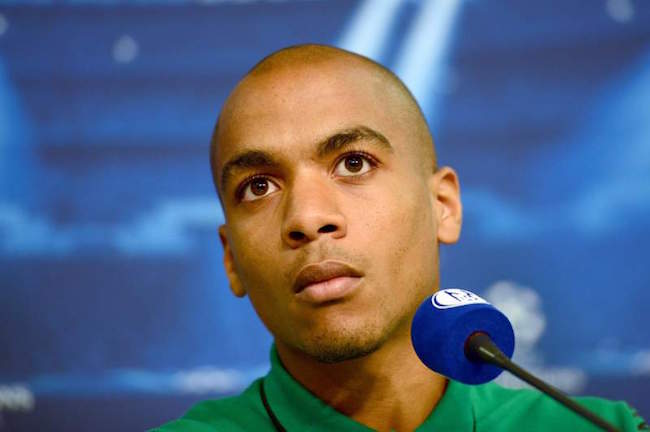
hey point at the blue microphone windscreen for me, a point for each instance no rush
(442, 325)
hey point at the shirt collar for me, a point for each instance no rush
(300, 410)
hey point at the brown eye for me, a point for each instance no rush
(257, 188)
(354, 164)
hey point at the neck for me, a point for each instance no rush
(389, 389)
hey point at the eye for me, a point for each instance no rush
(354, 164)
(256, 188)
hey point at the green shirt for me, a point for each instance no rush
(486, 407)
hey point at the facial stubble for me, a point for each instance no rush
(338, 343)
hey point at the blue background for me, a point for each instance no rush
(114, 310)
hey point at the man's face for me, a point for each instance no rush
(304, 199)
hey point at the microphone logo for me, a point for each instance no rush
(454, 297)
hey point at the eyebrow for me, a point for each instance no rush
(261, 159)
(346, 137)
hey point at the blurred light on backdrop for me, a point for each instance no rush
(4, 24)
(125, 49)
(620, 10)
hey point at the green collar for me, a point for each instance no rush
(299, 410)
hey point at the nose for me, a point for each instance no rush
(311, 211)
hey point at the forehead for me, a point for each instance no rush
(290, 109)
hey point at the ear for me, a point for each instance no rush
(448, 209)
(229, 263)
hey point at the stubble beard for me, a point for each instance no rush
(334, 345)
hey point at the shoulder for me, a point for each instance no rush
(529, 409)
(238, 413)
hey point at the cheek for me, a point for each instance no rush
(257, 263)
(254, 257)
(405, 234)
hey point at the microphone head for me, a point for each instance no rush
(442, 325)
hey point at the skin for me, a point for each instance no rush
(383, 212)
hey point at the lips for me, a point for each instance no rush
(321, 272)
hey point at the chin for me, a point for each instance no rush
(335, 345)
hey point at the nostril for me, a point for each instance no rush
(327, 228)
(296, 235)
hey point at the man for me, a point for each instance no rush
(334, 209)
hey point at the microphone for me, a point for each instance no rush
(459, 335)
(443, 324)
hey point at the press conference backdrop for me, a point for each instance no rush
(115, 313)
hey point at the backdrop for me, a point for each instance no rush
(114, 310)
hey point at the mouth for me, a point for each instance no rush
(326, 281)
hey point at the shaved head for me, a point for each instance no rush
(323, 156)
(299, 57)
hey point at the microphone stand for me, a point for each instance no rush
(480, 348)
